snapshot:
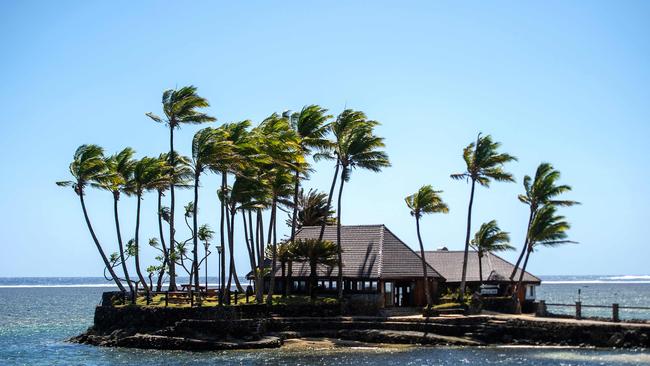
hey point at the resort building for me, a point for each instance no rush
(496, 273)
(375, 261)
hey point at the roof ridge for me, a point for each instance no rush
(413, 251)
(343, 226)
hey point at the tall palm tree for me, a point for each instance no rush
(119, 171)
(310, 125)
(208, 145)
(180, 106)
(284, 255)
(315, 252)
(88, 165)
(355, 146)
(483, 163)
(312, 210)
(489, 239)
(148, 174)
(547, 229)
(425, 201)
(539, 191)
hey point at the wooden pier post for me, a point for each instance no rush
(166, 298)
(615, 315)
(578, 310)
(191, 299)
(236, 293)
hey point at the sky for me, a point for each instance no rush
(566, 82)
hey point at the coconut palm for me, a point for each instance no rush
(489, 239)
(425, 201)
(310, 125)
(312, 210)
(205, 234)
(539, 191)
(208, 145)
(119, 171)
(355, 146)
(180, 106)
(148, 174)
(548, 230)
(284, 255)
(484, 164)
(88, 165)
(315, 252)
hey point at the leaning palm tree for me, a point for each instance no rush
(147, 175)
(539, 191)
(310, 125)
(208, 145)
(547, 229)
(119, 171)
(489, 239)
(88, 165)
(181, 106)
(356, 146)
(284, 255)
(483, 163)
(425, 201)
(315, 252)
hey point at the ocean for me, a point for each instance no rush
(37, 315)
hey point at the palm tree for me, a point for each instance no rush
(315, 252)
(119, 171)
(283, 255)
(355, 146)
(312, 210)
(88, 165)
(489, 239)
(539, 191)
(181, 106)
(208, 145)
(483, 163)
(425, 201)
(148, 174)
(205, 234)
(547, 229)
(311, 128)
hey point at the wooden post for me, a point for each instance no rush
(148, 298)
(191, 299)
(615, 315)
(166, 298)
(236, 293)
(247, 296)
(578, 310)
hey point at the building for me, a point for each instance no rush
(496, 273)
(375, 261)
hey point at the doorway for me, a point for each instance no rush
(403, 294)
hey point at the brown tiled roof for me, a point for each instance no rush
(495, 269)
(369, 251)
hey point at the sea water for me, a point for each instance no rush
(38, 315)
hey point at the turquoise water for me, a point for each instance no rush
(35, 321)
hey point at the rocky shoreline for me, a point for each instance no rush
(202, 329)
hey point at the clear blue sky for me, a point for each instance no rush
(559, 81)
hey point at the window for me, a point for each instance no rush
(333, 285)
(388, 287)
(366, 285)
(373, 285)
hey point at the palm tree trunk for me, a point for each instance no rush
(427, 293)
(283, 268)
(231, 246)
(469, 227)
(523, 269)
(269, 297)
(195, 237)
(172, 162)
(206, 247)
(119, 240)
(115, 278)
(161, 274)
(249, 244)
(294, 217)
(329, 201)
(222, 285)
(137, 246)
(259, 278)
(312, 279)
(523, 250)
(338, 239)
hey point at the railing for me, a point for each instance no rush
(579, 306)
(184, 297)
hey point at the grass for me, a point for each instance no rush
(448, 305)
(159, 301)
